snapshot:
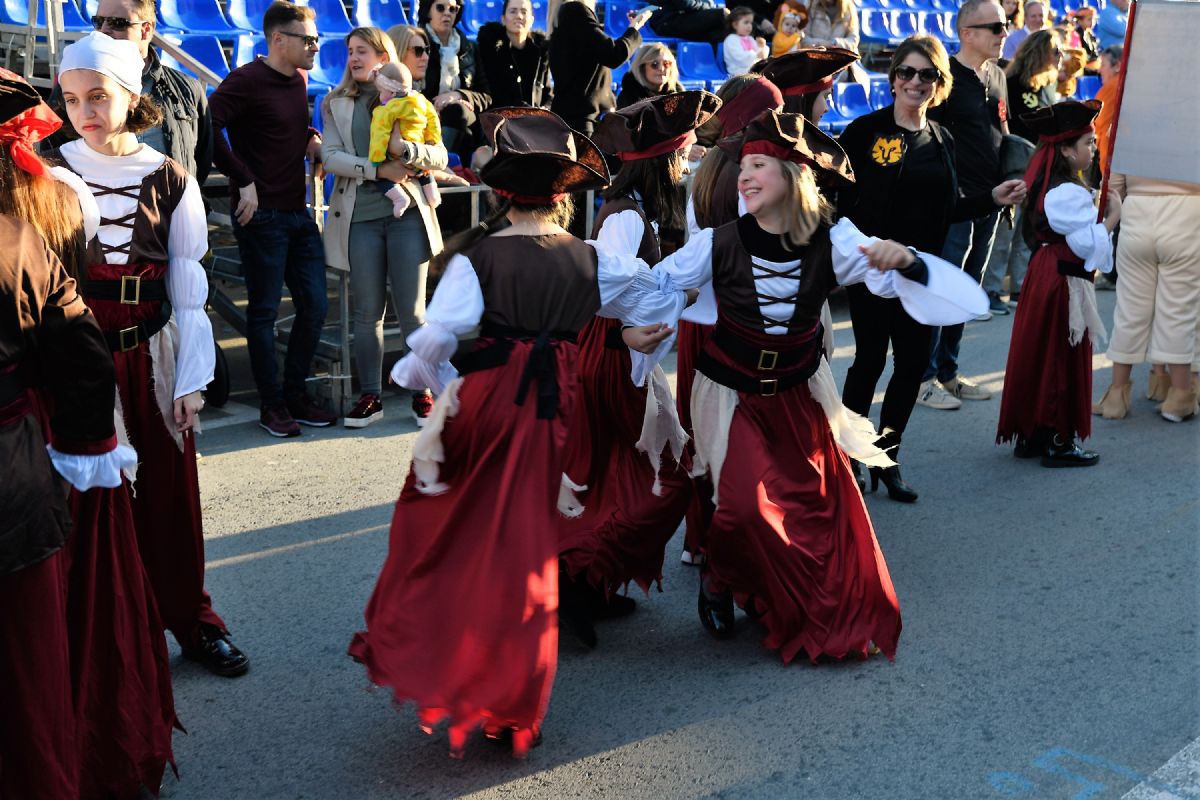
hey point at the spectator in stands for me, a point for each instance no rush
(1069, 71)
(185, 133)
(832, 23)
(975, 116)
(690, 20)
(1110, 29)
(411, 46)
(652, 72)
(454, 80)
(905, 185)
(1085, 30)
(1110, 73)
(1032, 75)
(515, 59)
(263, 108)
(1035, 20)
(787, 40)
(581, 59)
(361, 233)
(1014, 12)
(743, 50)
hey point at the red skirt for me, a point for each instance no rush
(38, 752)
(124, 706)
(688, 345)
(166, 500)
(624, 528)
(792, 531)
(1048, 382)
(463, 618)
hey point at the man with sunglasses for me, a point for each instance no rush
(263, 107)
(976, 114)
(186, 130)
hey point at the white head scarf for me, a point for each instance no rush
(119, 59)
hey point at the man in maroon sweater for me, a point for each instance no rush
(263, 108)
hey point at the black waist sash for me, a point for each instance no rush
(539, 367)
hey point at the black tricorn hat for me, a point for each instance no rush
(538, 155)
(16, 97)
(655, 126)
(1066, 119)
(807, 70)
(791, 137)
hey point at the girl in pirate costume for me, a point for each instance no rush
(462, 619)
(798, 83)
(121, 681)
(144, 283)
(1048, 381)
(790, 537)
(626, 440)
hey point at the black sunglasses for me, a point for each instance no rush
(309, 41)
(116, 23)
(419, 49)
(996, 28)
(927, 75)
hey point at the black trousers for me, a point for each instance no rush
(461, 132)
(694, 26)
(878, 321)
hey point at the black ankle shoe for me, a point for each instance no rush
(716, 613)
(897, 489)
(1069, 454)
(575, 599)
(216, 653)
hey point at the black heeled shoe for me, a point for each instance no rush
(716, 613)
(575, 609)
(897, 488)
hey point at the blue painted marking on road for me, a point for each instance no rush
(1010, 784)
(1057, 761)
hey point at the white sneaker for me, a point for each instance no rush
(984, 317)
(932, 395)
(965, 390)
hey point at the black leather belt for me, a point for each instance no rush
(129, 290)
(126, 339)
(539, 367)
(1074, 269)
(741, 382)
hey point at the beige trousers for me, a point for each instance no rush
(1157, 317)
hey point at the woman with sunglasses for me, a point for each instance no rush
(454, 80)
(515, 59)
(652, 73)
(906, 187)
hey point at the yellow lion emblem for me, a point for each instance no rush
(887, 151)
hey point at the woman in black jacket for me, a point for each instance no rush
(905, 187)
(453, 81)
(515, 60)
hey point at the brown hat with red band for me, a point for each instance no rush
(655, 126)
(806, 71)
(538, 156)
(791, 137)
(1062, 121)
(743, 108)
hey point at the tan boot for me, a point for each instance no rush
(1115, 403)
(1179, 405)
(1156, 389)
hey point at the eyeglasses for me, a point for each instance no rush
(927, 75)
(442, 8)
(996, 28)
(661, 64)
(419, 49)
(116, 23)
(309, 41)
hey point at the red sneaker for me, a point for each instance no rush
(278, 422)
(368, 409)
(306, 411)
(422, 406)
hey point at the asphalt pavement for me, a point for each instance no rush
(1049, 646)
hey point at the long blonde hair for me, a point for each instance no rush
(402, 36)
(804, 208)
(1034, 64)
(646, 54)
(378, 41)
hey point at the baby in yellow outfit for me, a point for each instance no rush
(413, 117)
(788, 37)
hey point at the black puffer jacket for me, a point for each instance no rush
(515, 77)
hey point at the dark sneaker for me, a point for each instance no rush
(216, 653)
(306, 411)
(368, 409)
(996, 305)
(422, 406)
(278, 422)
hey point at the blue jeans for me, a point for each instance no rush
(1010, 256)
(968, 244)
(279, 247)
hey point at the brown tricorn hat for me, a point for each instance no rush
(538, 156)
(1067, 119)
(16, 96)
(655, 126)
(806, 71)
(791, 137)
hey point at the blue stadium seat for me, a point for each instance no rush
(944, 5)
(850, 100)
(540, 15)
(691, 85)
(617, 75)
(329, 67)
(331, 17)
(881, 94)
(873, 27)
(248, 14)
(945, 25)
(478, 12)
(196, 16)
(904, 24)
(1086, 87)
(380, 13)
(696, 62)
(247, 48)
(205, 48)
(16, 12)
(616, 21)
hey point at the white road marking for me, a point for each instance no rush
(1178, 779)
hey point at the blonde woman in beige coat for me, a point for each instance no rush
(361, 233)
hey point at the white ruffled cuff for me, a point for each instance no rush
(414, 372)
(1097, 243)
(90, 472)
